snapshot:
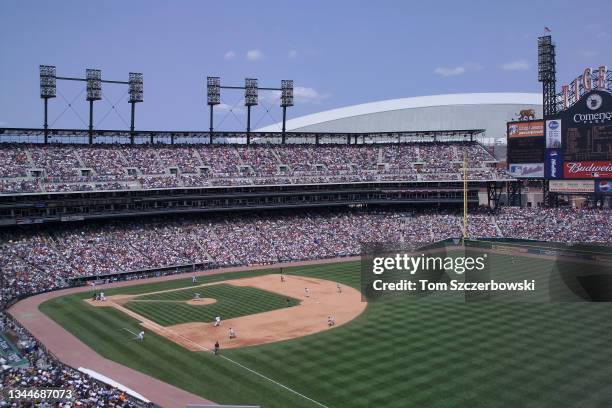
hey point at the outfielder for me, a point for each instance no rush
(141, 336)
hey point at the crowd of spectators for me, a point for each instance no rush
(45, 258)
(44, 371)
(55, 167)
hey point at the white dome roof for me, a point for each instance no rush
(502, 98)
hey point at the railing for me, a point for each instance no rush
(81, 136)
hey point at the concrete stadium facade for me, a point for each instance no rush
(489, 111)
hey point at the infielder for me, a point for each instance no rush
(217, 322)
(339, 288)
(307, 292)
(232, 333)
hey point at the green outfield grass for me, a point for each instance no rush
(398, 353)
(232, 301)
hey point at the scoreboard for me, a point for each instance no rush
(526, 145)
(575, 144)
(579, 139)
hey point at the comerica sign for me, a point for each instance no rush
(592, 117)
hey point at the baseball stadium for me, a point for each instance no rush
(445, 250)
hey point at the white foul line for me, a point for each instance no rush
(250, 370)
(125, 328)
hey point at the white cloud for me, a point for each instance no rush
(308, 95)
(254, 55)
(301, 94)
(518, 65)
(448, 72)
(293, 53)
(229, 55)
(269, 96)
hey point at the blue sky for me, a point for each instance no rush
(338, 53)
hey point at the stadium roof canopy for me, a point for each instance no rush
(489, 111)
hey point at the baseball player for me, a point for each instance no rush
(194, 279)
(282, 277)
(331, 321)
(141, 336)
(339, 288)
(232, 333)
(216, 347)
(307, 292)
(217, 321)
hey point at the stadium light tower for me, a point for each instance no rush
(213, 97)
(47, 90)
(135, 89)
(94, 93)
(547, 72)
(250, 99)
(286, 100)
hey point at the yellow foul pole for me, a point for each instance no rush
(465, 196)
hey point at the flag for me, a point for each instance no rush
(546, 30)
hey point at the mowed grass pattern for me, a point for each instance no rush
(167, 309)
(429, 353)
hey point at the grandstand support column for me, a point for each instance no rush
(46, 124)
(494, 190)
(284, 123)
(514, 190)
(550, 199)
(91, 121)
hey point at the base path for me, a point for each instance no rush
(73, 352)
(309, 317)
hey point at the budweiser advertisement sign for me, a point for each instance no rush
(588, 169)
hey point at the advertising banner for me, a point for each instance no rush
(603, 186)
(577, 186)
(535, 170)
(553, 164)
(553, 134)
(532, 128)
(588, 169)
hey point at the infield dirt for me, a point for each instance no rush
(309, 317)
